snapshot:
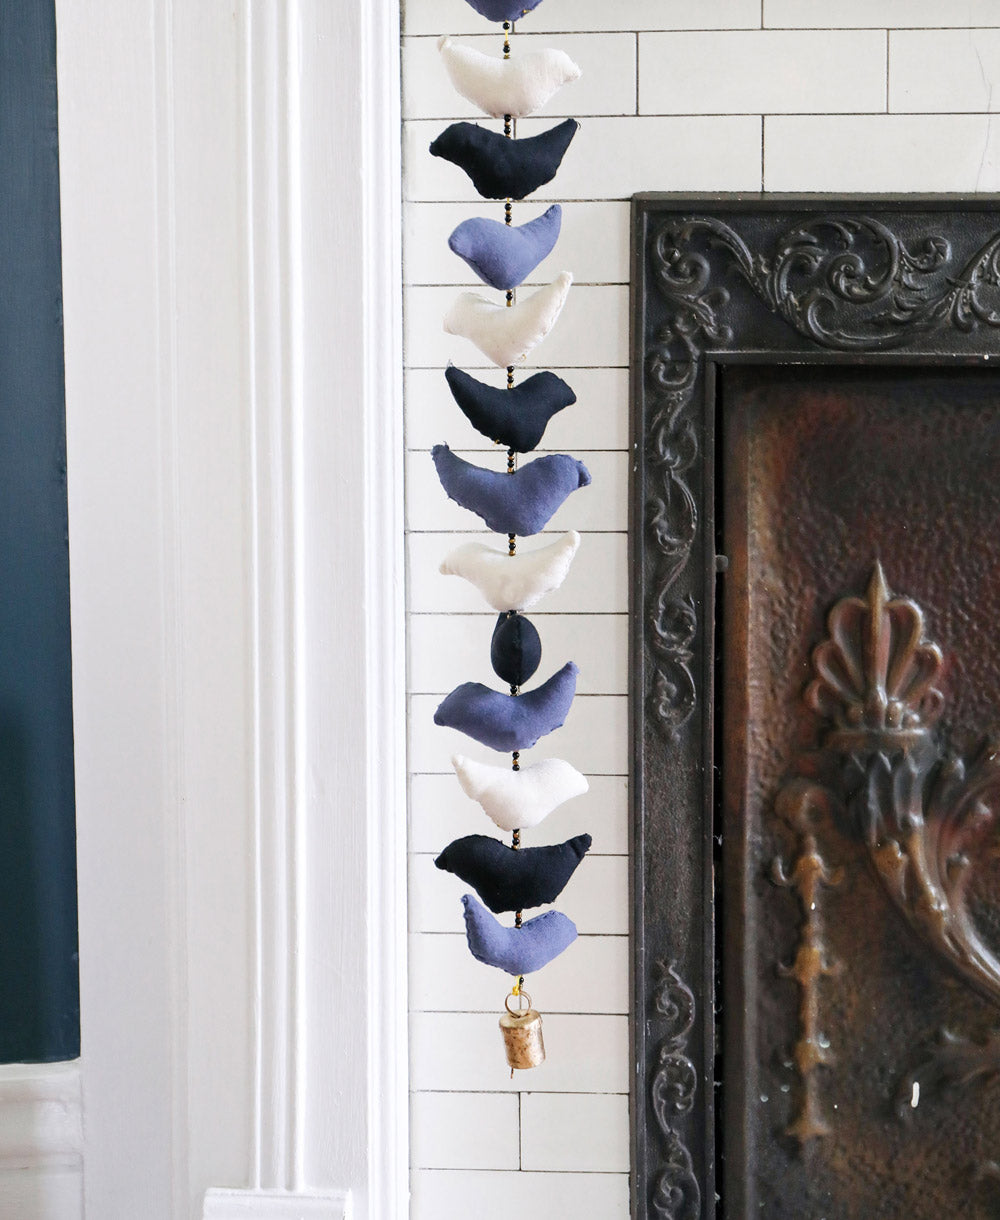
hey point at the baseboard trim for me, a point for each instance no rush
(274, 1205)
(40, 1114)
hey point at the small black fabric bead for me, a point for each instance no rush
(516, 651)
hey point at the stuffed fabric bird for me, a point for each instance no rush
(499, 87)
(513, 582)
(522, 799)
(506, 334)
(509, 722)
(516, 950)
(505, 169)
(509, 880)
(518, 417)
(521, 503)
(502, 255)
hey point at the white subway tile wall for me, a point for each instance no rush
(677, 95)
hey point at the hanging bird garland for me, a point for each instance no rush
(516, 503)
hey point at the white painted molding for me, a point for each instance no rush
(274, 260)
(121, 582)
(40, 1115)
(382, 348)
(323, 209)
(269, 1205)
(233, 357)
(155, 341)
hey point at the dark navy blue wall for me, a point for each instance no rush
(39, 990)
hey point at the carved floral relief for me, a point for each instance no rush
(925, 814)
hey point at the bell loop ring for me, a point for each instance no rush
(521, 1008)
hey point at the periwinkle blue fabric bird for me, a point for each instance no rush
(505, 169)
(516, 951)
(513, 880)
(502, 255)
(521, 503)
(503, 10)
(518, 417)
(509, 722)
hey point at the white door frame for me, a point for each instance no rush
(232, 282)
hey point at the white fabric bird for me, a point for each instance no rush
(513, 582)
(519, 799)
(518, 86)
(506, 334)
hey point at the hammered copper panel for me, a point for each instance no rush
(827, 470)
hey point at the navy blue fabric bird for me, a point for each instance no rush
(509, 880)
(518, 417)
(505, 169)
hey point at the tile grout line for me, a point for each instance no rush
(648, 115)
(762, 129)
(595, 1173)
(741, 29)
(508, 1093)
(489, 616)
(520, 1135)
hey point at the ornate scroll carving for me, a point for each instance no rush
(672, 367)
(846, 283)
(921, 811)
(802, 805)
(676, 1194)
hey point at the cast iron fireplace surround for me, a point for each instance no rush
(815, 531)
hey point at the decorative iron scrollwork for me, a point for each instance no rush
(676, 1194)
(845, 283)
(672, 522)
(773, 283)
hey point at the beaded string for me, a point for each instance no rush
(510, 131)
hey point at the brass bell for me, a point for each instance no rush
(522, 1035)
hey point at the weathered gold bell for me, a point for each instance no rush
(522, 1035)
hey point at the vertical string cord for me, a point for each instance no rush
(510, 131)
